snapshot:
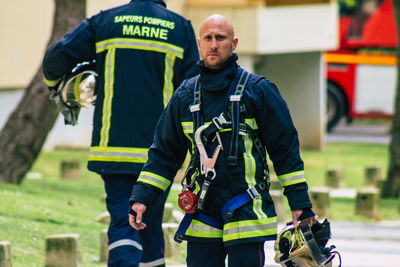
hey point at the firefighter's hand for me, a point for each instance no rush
(296, 215)
(136, 221)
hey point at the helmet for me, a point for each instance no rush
(303, 246)
(76, 90)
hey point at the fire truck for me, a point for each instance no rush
(362, 72)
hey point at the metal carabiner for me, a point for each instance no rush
(206, 163)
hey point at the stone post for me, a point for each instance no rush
(277, 197)
(168, 208)
(63, 251)
(334, 177)
(373, 174)
(320, 201)
(70, 169)
(103, 246)
(367, 202)
(5, 254)
(171, 247)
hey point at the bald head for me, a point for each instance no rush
(216, 41)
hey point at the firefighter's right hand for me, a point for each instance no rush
(136, 221)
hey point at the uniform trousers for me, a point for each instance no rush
(214, 254)
(128, 247)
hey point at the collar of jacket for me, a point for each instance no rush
(217, 80)
(161, 2)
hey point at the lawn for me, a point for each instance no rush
(44, 204)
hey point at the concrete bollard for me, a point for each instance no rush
(171, 247)
(103, 246)
(334, 177)
(5, 254)
(373, 174)
(277, 197)
(104, 218)
(70, 169)
(367, 201)
(168, 208)
(63, 251)
(320, 201)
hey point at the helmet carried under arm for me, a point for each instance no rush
(76, 90)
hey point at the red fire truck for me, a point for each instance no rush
(361, 73)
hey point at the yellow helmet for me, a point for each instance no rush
(303, 246)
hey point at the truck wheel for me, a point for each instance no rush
(335, 106)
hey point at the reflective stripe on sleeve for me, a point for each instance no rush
(154, 180)
(292, 178)
(118, 154)
(250, 228)
(199, 229)
(51, 83)
(158, 262)
(125, 242)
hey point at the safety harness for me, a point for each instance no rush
(235, 121)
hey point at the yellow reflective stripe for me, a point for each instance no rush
(168, 76)
(76, 87)
(154, 180)
(252, 123)
(250, 228)
(118, 154)
(108, 96)
(199, 229)
(250, 173)
(51, 83)
(292, 178)
(132, 43)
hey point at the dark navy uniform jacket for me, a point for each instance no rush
(268, 115)
(143, 52)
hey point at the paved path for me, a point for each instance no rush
(360, 245)
(379, 134)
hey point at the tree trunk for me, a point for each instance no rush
(27, 127)
(391, 187)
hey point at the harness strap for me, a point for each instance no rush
(241, 199)
(187, 219)
(235, 116)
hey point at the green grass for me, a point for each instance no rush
(41, 207)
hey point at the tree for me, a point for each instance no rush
(25, 131)
(391, 187)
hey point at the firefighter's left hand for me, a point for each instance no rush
(296, 215)
(136, 221)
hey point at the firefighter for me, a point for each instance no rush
(233, 116)
(142, 52)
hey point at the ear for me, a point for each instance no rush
(198, 43)
(235, 42)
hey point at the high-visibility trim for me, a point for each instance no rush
(250, 228)
(168, 76)
(199, 229)
(158, 262)
(108, 96)
(360, 59)
(125, 242)
(292, 178)
(51, 83)
(154, 180)
(132, 43)
(250, 173)
(252, 123)
(118, 154)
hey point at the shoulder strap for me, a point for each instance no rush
(235, 115)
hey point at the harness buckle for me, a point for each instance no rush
(195, 107)
(235, 98)
(253, 192)
(219, 121)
